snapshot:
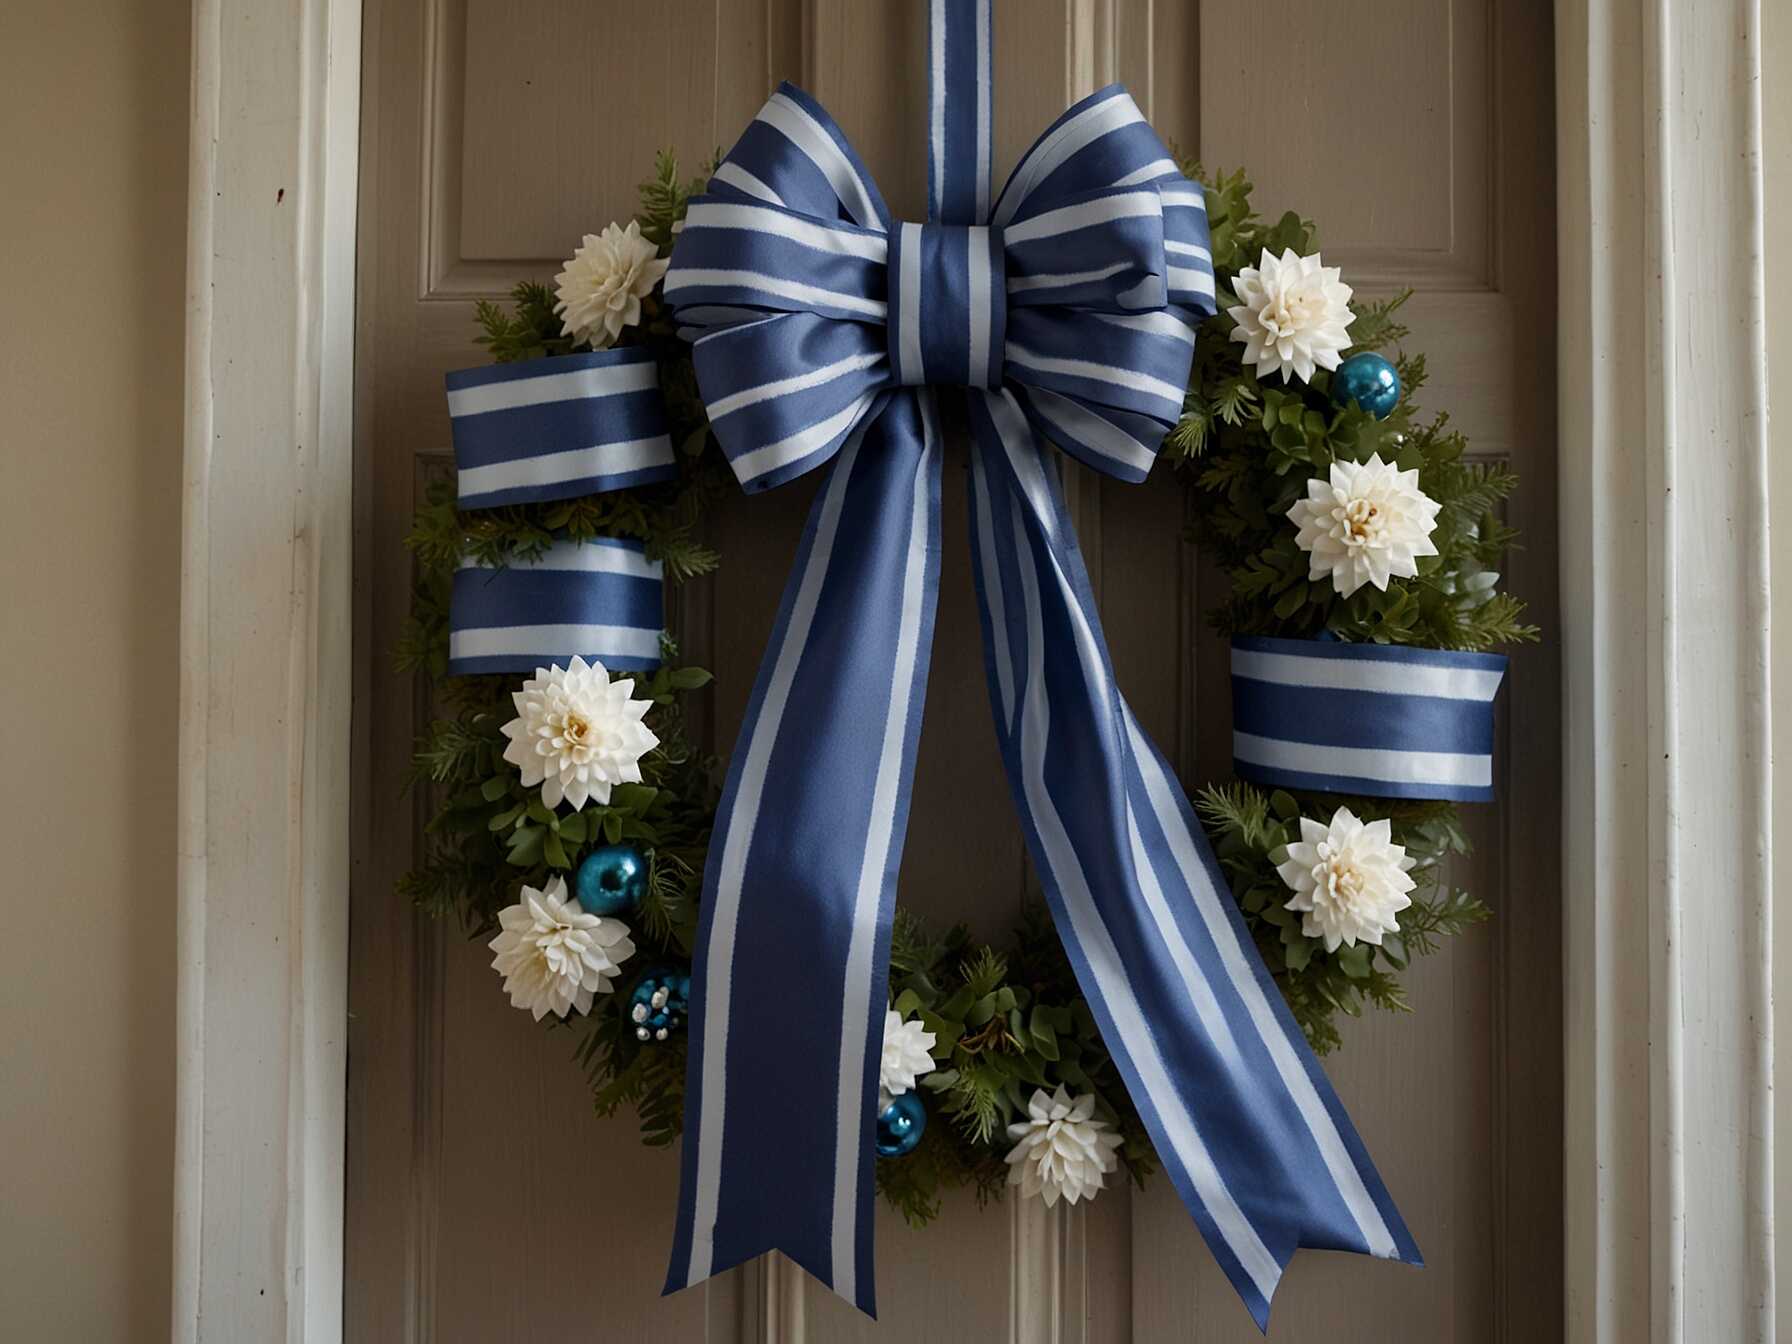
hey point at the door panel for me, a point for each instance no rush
(485, 1202)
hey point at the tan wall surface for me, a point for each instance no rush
(93, 116)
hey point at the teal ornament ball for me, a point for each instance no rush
(659, 1003)
(612, 880)
(1368, 381)
(900, 1125)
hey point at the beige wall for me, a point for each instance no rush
(93, 112)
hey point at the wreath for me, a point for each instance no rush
(588, 884)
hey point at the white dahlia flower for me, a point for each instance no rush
(906, 1057)
(577, 733)
(1061, 1148)
(1292, 313)
(553, 955)
(1366, 523)
(601, 288)
(1349, 880)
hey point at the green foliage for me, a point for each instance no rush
(664, 197)
(1249, 448)
(1004, 1025)
(1250, 830)
(530, 330)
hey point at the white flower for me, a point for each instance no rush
(1349, 880)
(553, 955)
(1061, 1148)
(1365, 524)
(601, 288)
(906, 1057)
(1292, 313)
(577, 733)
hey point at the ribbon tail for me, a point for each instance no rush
(792, 961)
(1248, 1128)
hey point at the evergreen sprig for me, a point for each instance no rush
(1249, 448)
(1251, 828)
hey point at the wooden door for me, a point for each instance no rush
(485, 1203)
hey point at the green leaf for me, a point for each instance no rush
(555, 852)
(690, 678)
(633, 797)
(495, 788)
(525, 844)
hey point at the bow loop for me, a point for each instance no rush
(793, 155)
(785, 391)
(1120, 230)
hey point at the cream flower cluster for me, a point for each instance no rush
(601, 288)
(1365, 522)
(1061, 1149)
(554, 956)
(1292, 314)
(577, 733)
(907, 1047)
(1348, 878)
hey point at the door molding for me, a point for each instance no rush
(1665, 614)
(266, 670)
(1669, 1160)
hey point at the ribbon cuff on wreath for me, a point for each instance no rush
(822, 327)
(538, 430)
(1374, 719)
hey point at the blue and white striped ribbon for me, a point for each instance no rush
(557, 428)
(601, 600)
(812, 342)
(1364, 718)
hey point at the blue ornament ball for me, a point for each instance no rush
(900, 1125)
(1369, 381)
(659, 1003)
(612, 880)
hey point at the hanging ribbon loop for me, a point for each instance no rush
(821, 328)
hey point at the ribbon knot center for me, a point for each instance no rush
(948, 305)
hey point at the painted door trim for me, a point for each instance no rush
(266, 670)
(1669, 1158)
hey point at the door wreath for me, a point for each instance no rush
(572, 816)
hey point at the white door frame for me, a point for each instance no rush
(1664, 588)
(1666, 790)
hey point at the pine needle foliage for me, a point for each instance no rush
(1251, 829)
(1004, 1025)
(1249, 447)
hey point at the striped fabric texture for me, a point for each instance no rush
(557, 428)
(826, 332)
(1364, 718)
(601, 600)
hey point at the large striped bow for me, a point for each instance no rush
(822, 329)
